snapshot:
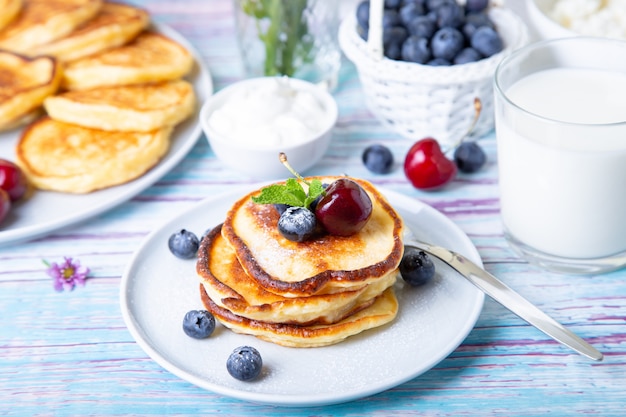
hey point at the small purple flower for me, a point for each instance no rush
(67, 274)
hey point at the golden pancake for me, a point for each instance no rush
(43, 21)
(322, 265)
(150, 58)
(63, 157)
(137, 108)
(24, 84)
(382, 311)
(115, 24)
(228, 286)
(10, 10)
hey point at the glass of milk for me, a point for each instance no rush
(560, 112)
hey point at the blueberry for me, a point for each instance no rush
(473, 21)
(416, 267)
(391, 18)
(435, 4)
(244, 363)
(280, 208)
(393, 51)
(439, 62)
(183, 244)
(450, 15)
(297, 224)
(363, 14)
(198, 324)
(422, 27)
(415, 49)
(486, 41)
(446, 43)
(378, 159)
(467, 55)
(410, 11)
(394, 35)
(392, 4)
(476, 5)
(469, 157)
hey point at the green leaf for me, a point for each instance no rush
(291, 193)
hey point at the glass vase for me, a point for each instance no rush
(295, 38)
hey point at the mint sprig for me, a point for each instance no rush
(291, 193)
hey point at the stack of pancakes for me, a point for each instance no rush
(112, 91)
(300, 294)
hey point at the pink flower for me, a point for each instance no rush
(67, 274)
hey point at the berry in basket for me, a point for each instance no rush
(434, 32)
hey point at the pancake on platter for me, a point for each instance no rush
(382, 311)
(149, 58)
(137, 108)
(64, 157)
(24, 84)
(115, 24)
(10, 10)
(324, 265)
(230, 288)
(43, 21)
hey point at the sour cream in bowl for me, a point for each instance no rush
(250, 122)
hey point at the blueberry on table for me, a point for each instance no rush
(416, 267)
(183, 244)
(244, 363)
(378, 159)
(297, 224)
(198, 324)
(469, 157)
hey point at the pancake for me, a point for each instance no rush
(24, 84)
(127, 108)
(149, 58)
(63, 157)
(382, 311)
(324, 265)
(115, 24)
(229, 287)
(43, 21)
(10, 10)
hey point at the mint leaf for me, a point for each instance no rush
(291, 193)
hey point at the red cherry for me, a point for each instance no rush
(5, 204)
(12, 180)
(345, 208)
(426, 166)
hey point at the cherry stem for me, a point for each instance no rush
(478, 106)
(283, 159)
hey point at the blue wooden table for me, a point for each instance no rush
(70, 354)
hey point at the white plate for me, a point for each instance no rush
(46, 211)
(158, 289)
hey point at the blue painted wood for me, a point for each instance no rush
(70, 354)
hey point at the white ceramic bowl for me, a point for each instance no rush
(260, 160)
(608, 20)
(544, 26)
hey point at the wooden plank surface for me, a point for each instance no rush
(70, 354)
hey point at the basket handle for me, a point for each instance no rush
(375, 31)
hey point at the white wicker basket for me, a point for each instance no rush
(420, 100)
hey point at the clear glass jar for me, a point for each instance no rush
(296, 38)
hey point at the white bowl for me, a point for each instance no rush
(608, 21)
(260, 160)
(544, 26)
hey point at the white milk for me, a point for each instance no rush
(563, 185)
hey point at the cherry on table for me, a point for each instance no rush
(427, 167)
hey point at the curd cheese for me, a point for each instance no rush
(269, 114)
(605, 18)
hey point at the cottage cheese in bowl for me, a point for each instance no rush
(559, 18)
(250, 122)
